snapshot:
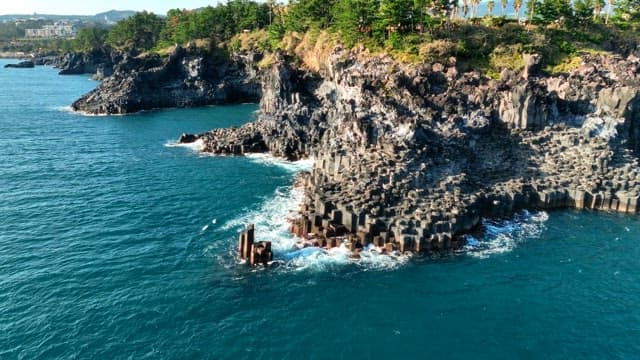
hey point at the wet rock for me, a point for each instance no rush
(410, 158)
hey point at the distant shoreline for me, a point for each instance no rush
(15, 55)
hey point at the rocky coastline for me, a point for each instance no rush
(411, 157)
(188, 77)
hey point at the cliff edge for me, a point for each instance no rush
(187, 77)
(410, 157)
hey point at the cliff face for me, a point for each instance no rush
(411, 156)
(186, 78)
(98, 62)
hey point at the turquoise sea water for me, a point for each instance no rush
(114, 244)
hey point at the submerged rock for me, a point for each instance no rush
(21, 65)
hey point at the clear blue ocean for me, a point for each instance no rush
(116, 244)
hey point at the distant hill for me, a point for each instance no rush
(108, 17)
(113, 15)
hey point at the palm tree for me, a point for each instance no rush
(474, 8)
(517, 4)
(598, 5)
(503, 4)
(490, 5)
(606, 19)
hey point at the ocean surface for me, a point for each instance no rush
(117, 244)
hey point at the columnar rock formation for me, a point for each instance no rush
(254, 253)
(412, 156)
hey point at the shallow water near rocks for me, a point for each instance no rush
(115, 244)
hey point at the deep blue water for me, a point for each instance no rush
(115, 245)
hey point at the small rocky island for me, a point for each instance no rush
(410, 157)
(21, 65)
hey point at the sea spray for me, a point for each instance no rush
(503, 235)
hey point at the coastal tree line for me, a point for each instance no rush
(375, 21)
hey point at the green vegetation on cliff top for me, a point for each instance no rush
(410, 30)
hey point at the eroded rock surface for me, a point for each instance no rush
(412, 156)
(188, 77)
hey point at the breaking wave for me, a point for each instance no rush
(292, 166)
(195, 146)
(501, 236)
(272, 219)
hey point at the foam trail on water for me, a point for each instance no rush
(65, 108)
(195, 146)
(272, 224)
(501, 236)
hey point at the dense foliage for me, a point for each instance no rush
(412, 30)
(141, 31)
(218, 23)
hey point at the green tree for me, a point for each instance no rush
(90, 38)
(549, 11)
(354, 19)
(140, 31)
(396, 14)
(628, 10)
(305, 14)
(583, 12)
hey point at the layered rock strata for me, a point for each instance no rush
(410, 157)
(186, 78)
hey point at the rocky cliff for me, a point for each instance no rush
(98, 62)
(188, 77)
(410, 157)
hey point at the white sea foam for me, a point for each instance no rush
(271, 220)
(66, 109)
(501, 236)
(292, 166)
(195, 146)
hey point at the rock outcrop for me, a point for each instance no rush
(188, 77)
(410, 157)
(21, 65)
(98, 62)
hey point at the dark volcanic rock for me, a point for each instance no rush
(21, 65)
(410, 157)
(186, 78)
(99, 62)
(188, 138)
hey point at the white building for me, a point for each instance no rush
(60, 29)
